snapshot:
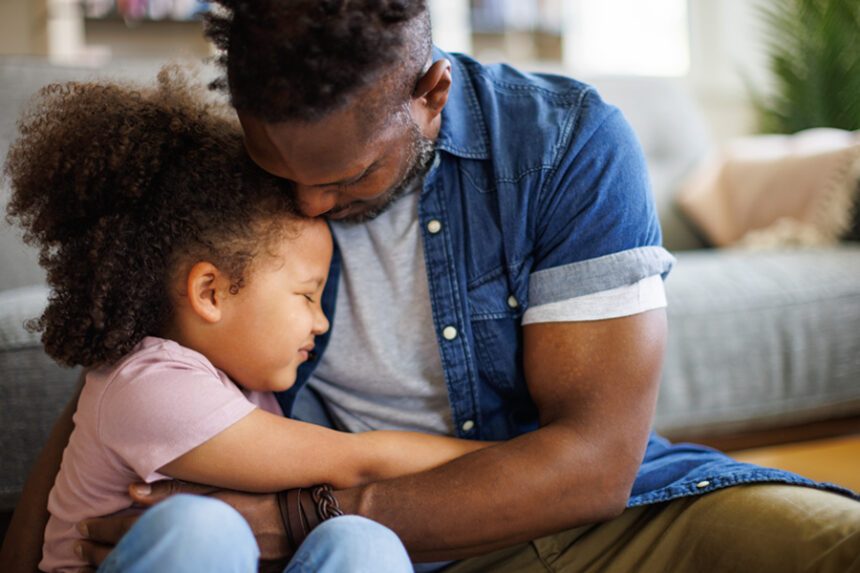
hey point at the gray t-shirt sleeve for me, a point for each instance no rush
(641, 296)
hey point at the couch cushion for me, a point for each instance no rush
(758, 339)
(33, 389)
(16, 307)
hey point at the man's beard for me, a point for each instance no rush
(421, 153)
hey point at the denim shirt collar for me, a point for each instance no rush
(463, 132)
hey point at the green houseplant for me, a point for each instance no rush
(813, 51)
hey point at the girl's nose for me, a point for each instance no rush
(321, 323)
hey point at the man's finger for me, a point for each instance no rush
(107, 530)
(93, 553)
(151, 493)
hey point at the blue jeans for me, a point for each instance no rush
(190, 533)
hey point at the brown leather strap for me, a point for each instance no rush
(309, 510)
(302, 510)
(291, 515)
(327, 505)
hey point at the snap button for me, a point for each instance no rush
(703, 484)
(449, 333)
(468, 425)
(434, 226)
(513, 302)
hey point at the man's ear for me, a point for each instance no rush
(205, 290)
(432, 89)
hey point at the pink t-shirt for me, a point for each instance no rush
(157, 403)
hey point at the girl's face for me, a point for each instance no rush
(268, 327)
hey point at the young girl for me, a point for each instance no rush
(184, 281)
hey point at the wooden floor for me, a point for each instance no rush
(835, 460)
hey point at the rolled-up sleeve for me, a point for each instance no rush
(596, 226)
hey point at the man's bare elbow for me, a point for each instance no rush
(600, 497)
(605, 507)
(617, 503)
(615, 485)
(597, 507)
(612, 500)
(619, 494)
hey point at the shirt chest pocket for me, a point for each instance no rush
(495, 311)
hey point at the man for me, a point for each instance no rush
(499, 277)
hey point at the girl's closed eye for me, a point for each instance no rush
(309, 297)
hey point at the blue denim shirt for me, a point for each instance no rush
(539, 193)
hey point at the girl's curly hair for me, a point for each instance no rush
(119, 186)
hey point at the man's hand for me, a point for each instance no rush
(259, 510)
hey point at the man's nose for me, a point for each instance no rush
(313, 202)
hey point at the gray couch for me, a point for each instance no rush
(764, 340)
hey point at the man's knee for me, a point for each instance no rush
(766, 528)
(801, 528)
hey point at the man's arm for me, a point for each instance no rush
(595, 385)
(22, 548)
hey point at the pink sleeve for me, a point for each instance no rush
(160, 407)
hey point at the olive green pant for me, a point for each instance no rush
(750, 528)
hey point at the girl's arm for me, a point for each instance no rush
(263, 452)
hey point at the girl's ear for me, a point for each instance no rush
(205, 288)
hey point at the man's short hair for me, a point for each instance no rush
(301, 59)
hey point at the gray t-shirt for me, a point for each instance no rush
(382, 368)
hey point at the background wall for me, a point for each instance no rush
(726, 49)
(724, 42)
(148, 39)
(23, 27)
(724, 37)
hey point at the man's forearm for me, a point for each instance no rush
(595, 387)
(539, 483)
(22, 548)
